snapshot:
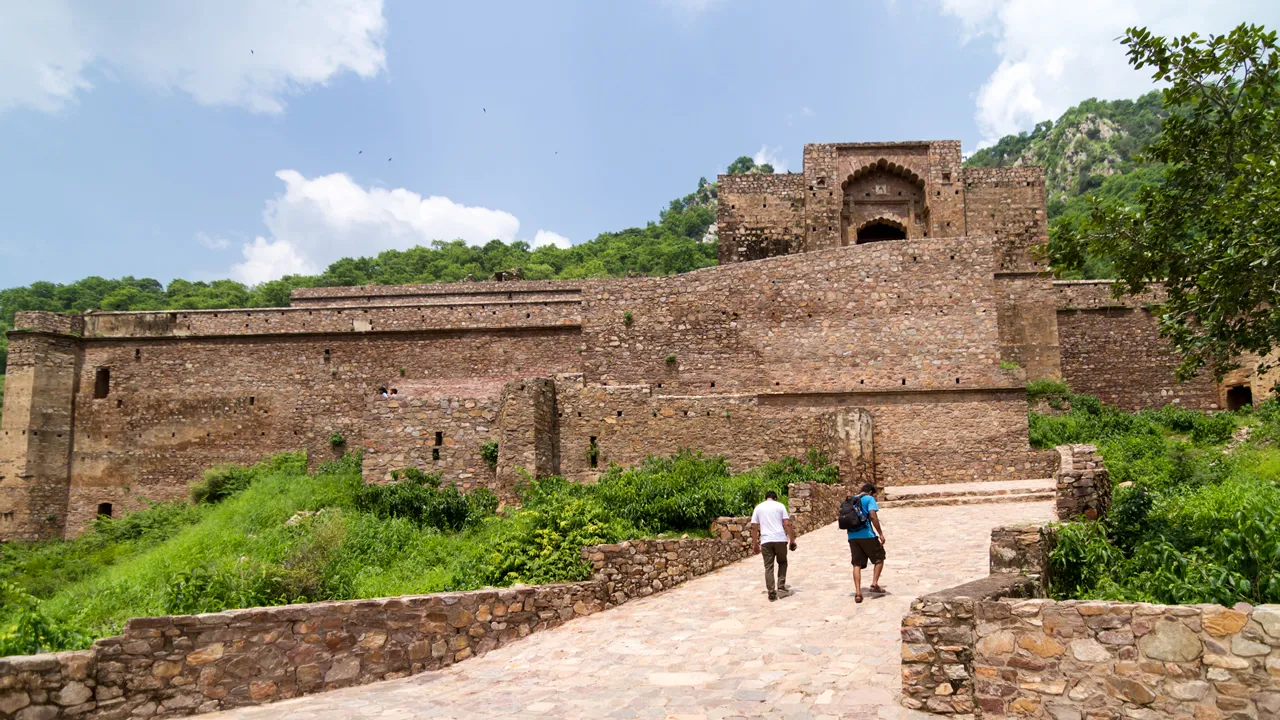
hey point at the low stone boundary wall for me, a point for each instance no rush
(188, 664)
(173, 666)
(1066, 660)
(1083, 483)
(993, 648)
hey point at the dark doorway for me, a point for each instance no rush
(880, 231)
(102, 383)
(104, 510)
(1239, 396)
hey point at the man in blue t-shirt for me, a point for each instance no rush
(864, 545)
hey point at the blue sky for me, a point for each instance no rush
(152, 142)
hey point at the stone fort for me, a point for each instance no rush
(884, 306)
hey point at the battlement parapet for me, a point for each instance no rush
(437, 293)
(49, 322)
(344, 319)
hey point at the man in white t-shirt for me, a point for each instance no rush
(770, 534)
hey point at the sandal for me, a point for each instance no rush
(878, 589)
(857, 598)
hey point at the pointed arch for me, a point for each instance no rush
(881, 227)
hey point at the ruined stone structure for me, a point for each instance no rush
(884, 307)
(995, 648)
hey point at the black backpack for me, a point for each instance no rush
(852, 514)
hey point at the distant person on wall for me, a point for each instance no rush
(859, 515)
(771, 532)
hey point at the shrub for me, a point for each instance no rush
(222, 481)
(627, 318)
(1047, 388)
(28, 631)
(1188, 524)
(489, 451)
(1212, 429)
(290, 537)
(337, 440)
(419, 498)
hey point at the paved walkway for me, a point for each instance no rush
(713, 648)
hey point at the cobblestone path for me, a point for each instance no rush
(712, 648)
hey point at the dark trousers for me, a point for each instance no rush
(771, 552)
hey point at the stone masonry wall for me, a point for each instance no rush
(978, 649)
(434, 429)
(760, 216)
(1008, 203)
(1065, 660)
(176, 666)
(436, 294)
(1083, 483)
(1112, 348)
(179, 406)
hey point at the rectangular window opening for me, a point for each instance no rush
(435, 454)
(327, 356)
(439, 439)
(101, 383)
(593, 452)
(104, 510)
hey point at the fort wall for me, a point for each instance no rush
(439, 294)
(750, 360)
(764, 216)
(1111, 348)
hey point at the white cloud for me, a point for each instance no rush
(211, 242)
(318, 220)
(546, 237)
(1055, 54)
(50, 50)
(772, 156)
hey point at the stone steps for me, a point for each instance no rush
(970, 499)
(891, 496)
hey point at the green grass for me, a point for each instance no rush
(236, 548)
(1190, 522)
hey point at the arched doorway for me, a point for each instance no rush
(878, 192)
(881, 230)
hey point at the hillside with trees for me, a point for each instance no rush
(1092, 150)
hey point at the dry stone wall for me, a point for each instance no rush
(995, 648)
(182, 665)
(1083, 483)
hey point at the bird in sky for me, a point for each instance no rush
(250, 52)
(359, 152)
(486, 112)
(388, 159)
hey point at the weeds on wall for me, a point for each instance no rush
(628, 318)
(1189, 522)
(271, 534)
(337, 440)
(489, 451)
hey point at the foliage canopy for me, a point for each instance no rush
(1208, 225)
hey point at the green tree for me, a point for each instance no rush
(1209, 226)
